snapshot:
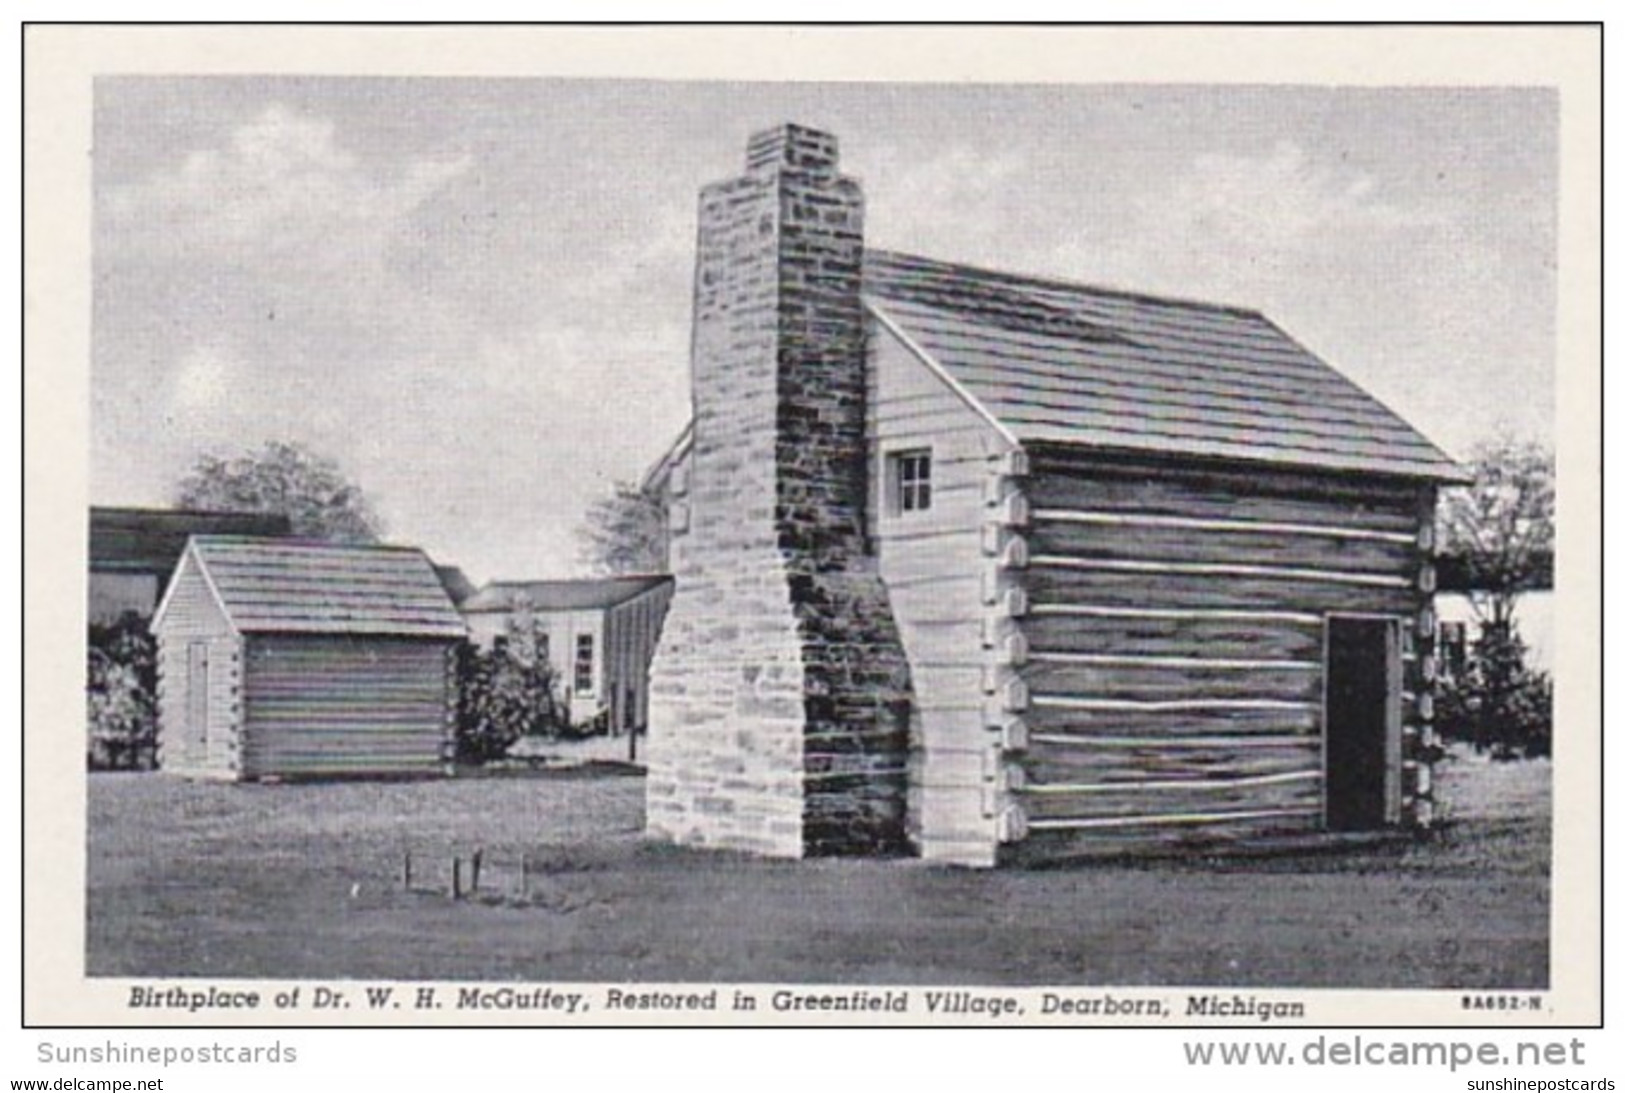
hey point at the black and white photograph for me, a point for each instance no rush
(619, 549)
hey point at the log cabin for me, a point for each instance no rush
(283, 659)
(991, 568)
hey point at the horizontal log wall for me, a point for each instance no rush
(1174, 643)
(1171, 756)
(1295, 794)
(1054, 580)
(326, 706)
(1132, 681)
(942, 573)
(1067, 481)
(1060, 714)
(1086, 536)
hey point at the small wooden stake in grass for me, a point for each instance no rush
(406, 870)
(474, 871)
(457, 878)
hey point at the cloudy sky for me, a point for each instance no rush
(474, 294)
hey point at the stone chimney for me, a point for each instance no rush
(780, 694)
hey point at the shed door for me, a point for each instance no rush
(1362, 723)
(197, 693)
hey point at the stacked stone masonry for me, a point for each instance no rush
(780, 692)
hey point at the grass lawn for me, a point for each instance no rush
(303, 881)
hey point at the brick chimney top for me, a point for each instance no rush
(795, 148)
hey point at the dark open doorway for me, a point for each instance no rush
(1362, 723)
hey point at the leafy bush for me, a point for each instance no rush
(505, 693)
(1498, 703)
(121, 695)
(596, 725)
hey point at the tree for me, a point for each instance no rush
(507, 693)
(1500, 529)
(1498, 704)
(288, 480)
(1502, 526)
(625, 532)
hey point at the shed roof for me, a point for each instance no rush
(135, 540)
(455, 582)
(568, 595)
(1071, 364)
(298, 586)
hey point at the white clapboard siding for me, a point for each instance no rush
(631, 632)
(933, 564)
(197, 733)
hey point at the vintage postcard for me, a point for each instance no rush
(545, 526)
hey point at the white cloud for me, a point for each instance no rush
(1270, 203)
(491, 457)
(1244, 229)
(959, 194)
(578, 382)
(282, 184)
(203, 378)
(214, 397)
(642, 264)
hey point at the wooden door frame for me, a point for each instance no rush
(198, 671)
(1393, 730)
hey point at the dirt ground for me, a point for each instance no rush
(296, 881)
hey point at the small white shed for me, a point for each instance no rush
(281, 658)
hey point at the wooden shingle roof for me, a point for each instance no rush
(582, 594)
(297, 586)
(455, 582)
(1070, 364)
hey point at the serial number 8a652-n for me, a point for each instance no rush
(1510, 1003)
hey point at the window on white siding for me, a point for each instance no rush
(583, 662)
(1453, 649)
(910, 478)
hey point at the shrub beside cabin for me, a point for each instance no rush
(989, 568)
(285, 659)
(598, 634)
